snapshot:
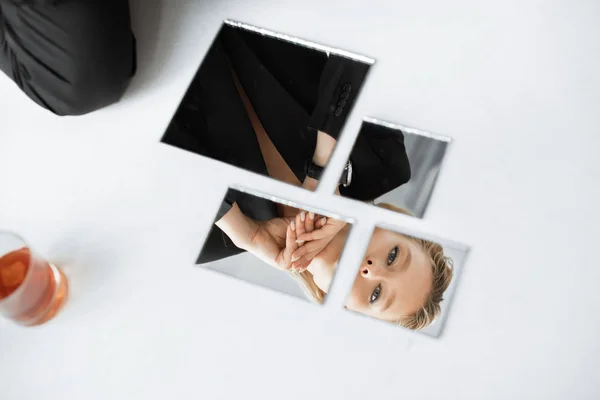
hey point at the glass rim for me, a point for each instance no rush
(29, 272)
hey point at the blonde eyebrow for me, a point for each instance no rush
(407, 261)
(388, 303)
(404, 266)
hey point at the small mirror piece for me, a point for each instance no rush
(393, 164)
(407, 280)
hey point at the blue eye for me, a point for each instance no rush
(375, 295)
(393, 255)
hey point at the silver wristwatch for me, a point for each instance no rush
(346, 177)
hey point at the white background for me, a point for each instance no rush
(514, 83)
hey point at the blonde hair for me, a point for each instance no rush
(441, 266)
(308, 285)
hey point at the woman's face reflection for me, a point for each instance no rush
(394, 279)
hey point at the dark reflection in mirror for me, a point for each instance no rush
(267, 105)
(393, 165)
(280, 246)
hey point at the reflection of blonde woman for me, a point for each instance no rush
(401, 279)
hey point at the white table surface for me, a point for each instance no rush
(516, 84)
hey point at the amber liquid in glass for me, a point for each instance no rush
(42, 296)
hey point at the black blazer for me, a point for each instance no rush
(295, 91)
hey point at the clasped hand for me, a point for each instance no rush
(291, 243)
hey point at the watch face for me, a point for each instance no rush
(349, 175)
(346, 178)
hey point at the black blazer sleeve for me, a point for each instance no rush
(379, 163)
(226, 204)
(339, 85)
(218, 245)
(257, 208)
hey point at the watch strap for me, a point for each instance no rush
(312, 170)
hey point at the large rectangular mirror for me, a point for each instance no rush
(268, 103)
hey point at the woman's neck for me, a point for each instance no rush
(324, 264)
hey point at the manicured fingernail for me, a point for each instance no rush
(324, 220)
(311, 215)
(302, 216)
(300, 241)
(293, 225)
